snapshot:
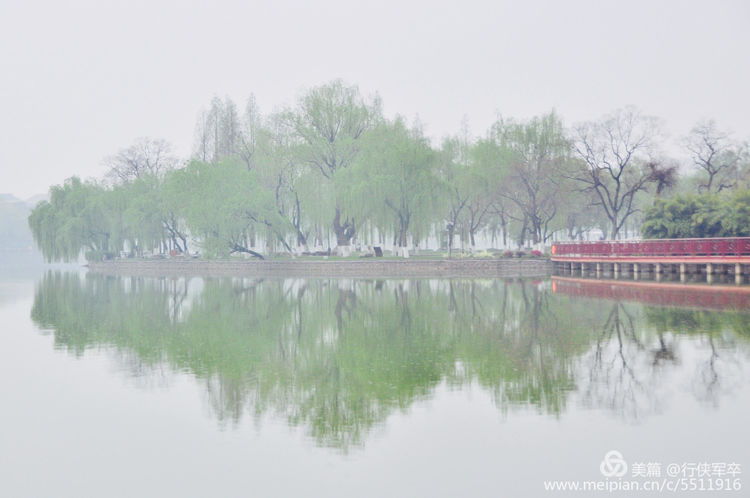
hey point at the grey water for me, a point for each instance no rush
(336, 387)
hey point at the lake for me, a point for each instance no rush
(118, 386)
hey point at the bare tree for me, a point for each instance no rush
(714, 152)
(248, 137)
(147, 156)
(203, 148)
(615, 152)
(664, 175)
(230, 130)
(218, 132)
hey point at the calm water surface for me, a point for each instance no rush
(241, 387)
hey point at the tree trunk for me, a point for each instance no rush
(239, 248)
(345, 232)
(522, 235)
(615, 229)
(301, 239)
(450, 240)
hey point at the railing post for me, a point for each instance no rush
(737, 273)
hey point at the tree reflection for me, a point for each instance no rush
(618, 367)
(718, 365)
(337, 357)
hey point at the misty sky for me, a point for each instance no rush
(81, 80)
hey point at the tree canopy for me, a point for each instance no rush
(692, 215)
(332, 172)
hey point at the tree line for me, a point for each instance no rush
(333, 171)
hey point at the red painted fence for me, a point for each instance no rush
(732, 247)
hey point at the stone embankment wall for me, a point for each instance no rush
(471, 268)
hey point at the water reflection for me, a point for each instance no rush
(627, 369)
(684, 294)
(337, 357)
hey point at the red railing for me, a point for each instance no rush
(735, 246)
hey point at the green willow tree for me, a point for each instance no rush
(491, 161)
(453, 162)
(539, 168)
(79, 217)
(393, 182)
(471, 174)
(329, 122)
(261, 185)
(238, 208)
(300, 196)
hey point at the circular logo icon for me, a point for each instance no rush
(613, 465)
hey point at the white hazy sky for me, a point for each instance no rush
(80, 80)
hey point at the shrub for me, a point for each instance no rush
(691, 215)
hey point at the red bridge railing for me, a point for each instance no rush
(731, 247)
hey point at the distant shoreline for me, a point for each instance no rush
(368, 268)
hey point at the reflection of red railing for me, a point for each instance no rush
(736, 246)
(662, 294)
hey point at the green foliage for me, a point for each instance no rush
(735, 218)
(329, 123)
(539, 171)
(221, 204)
(691, 215)
(472, 175)
(79, 216)
(392, 183)
(333, 168)
(329, 120)
(146, 211)
(224, 204)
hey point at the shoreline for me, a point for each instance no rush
(441, 268)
